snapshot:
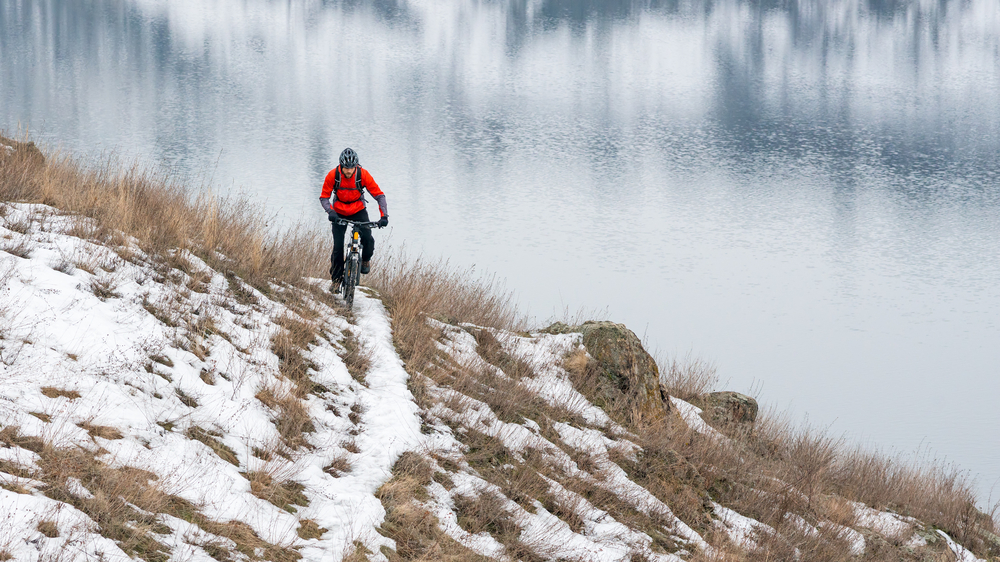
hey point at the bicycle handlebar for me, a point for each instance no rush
(346, 222)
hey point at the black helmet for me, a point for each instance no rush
(348, 158)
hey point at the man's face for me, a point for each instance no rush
(348, 171)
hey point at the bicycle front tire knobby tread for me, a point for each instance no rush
(350, 281)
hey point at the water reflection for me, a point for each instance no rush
(807, 189)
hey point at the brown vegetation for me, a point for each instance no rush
(165, 217)
(416, 531)
(116, 493)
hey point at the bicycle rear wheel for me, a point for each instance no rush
(350, 279)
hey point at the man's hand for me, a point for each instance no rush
(332, 216)
(384, 221)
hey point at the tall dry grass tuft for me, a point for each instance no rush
(229, 233)
(414, 289)
(688, 378)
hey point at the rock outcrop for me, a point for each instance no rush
(730, 408)
(10, 148)
(622, 371)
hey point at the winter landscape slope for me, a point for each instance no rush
(159, 405)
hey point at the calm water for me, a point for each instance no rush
(805, 193)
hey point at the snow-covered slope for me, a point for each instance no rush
(156, 408)
(130, 347)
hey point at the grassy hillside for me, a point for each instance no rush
(519, 442)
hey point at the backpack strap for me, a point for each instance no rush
(358, 186)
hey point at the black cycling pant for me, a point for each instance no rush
(367, 243)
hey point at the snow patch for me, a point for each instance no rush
(691, 415)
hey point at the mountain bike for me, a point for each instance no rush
(352, 262)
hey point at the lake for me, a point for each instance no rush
(804, 193)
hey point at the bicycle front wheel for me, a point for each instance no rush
(350, 279)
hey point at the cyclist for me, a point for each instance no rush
(346, 184)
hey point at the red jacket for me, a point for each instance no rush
(349, 199)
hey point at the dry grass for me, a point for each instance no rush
(356, 356)
(285, 494)
(779, 470)
(102, 431)
(488, 513)
(414, 289)
(339, 466)
(309, 529)
(210, 438)
(688, 378)
(288, 344)
(52, 392)
(48, 528)
(230, 234)
(124, 502)
(416, 531)
(766, 473)
(290, 415)
(42, 416)
(21, 248)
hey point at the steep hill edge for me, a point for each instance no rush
(174, 386)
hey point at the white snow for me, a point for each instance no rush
(691, 415)
(885, 523)
(20, 515)
(854, 538)
(741, 530)
(961, 553)
(58, 333)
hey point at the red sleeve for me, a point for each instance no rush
(328, 184)
(366, 180)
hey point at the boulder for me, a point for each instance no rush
(24, 158)
(730, 408)
(626, 376)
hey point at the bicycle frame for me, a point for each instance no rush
(352, 261)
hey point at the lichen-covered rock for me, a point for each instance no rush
(624, 369)
(27, 151)
(730, 408)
